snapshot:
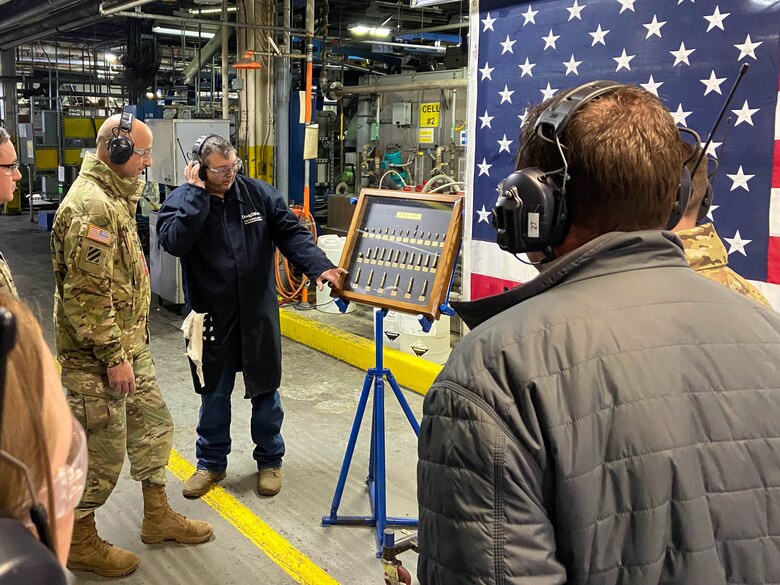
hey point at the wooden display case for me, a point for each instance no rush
(401, 250)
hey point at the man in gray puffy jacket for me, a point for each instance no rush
(617, 419)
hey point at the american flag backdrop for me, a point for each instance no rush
(688, 52)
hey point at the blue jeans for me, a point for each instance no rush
(213, 444)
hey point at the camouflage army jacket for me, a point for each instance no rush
(101, 301)
(707, 255)
(6, 282)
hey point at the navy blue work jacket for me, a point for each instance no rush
(227, 254)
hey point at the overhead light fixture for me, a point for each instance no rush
(150, 95)
(174, 32)
(369, 31)
(198, 11)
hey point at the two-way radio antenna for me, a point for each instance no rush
(740, 75)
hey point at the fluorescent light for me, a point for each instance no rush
(372, 31)
(175, 32)
(211, 10)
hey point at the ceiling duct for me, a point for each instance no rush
(11, 18)
(205, 55)
(59, 23)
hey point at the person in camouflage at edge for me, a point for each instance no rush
(9, 176)
(101, 310)
(704, 249)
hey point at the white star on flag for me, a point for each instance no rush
(680, 116)
(484, 168)
(681, 1)
(654, 28)
(507, 45)
(506, 95)
(571, 66)
(488, 22)
(549, 40)
(681, 55)
(486, 71)
(623, 61)
(745, 114)
(484, 214)
(626, 5)
(737, 244)
(575, 9)
(504, 144)
(713, 83)
(710, 210)
(549, 92)
(527, 67)
(740, 180)
(711, 148)
(748, 48)
(523, 116)
(716, 19)
(598, 36)
(652, 86)
(486, 119)
(529, 15)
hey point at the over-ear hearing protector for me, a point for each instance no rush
(706, 203)
(120, 146)
(531, 212)
(197, 148)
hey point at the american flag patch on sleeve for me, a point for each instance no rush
(99, 235)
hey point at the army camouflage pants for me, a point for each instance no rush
(140, 423)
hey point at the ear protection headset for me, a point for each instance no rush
(531, 212)
(120, 146)
(197, 149)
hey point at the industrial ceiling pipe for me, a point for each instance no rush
(62, 23)
(339, 91)
(19, 18)
(206, 53)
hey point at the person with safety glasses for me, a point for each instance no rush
(43, 455)
(9, 177)
(101, 314)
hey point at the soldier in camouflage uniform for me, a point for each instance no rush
(9, 176)
(100, 314)
(704, 250)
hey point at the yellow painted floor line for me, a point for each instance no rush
(295, 563)
(409, 371)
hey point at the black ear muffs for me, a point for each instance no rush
(706, 203)
(120, 146)
(197, 149)
(681, 202)
(531, 214)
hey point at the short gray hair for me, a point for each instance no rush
(4, 136)
(216, 145)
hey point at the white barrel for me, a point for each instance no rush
(433, 346)
(332, 245)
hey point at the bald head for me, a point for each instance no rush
(141, 137)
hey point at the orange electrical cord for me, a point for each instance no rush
(290, 291)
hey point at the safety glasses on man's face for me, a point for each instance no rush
(225, 171)
(10, 168)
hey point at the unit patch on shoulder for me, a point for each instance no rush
(98, 234)
(93, 254)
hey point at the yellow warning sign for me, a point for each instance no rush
(408, 215)
(425, 136)
(429, 114)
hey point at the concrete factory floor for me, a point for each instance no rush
(256, 540)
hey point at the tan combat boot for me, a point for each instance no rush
(200, 482)
(161, 523)
(269, 481)
(89, 552)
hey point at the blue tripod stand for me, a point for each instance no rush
(376, 481)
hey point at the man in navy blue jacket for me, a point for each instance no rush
(224, 228)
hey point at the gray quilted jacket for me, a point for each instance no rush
(614, 421)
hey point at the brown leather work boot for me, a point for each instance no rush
(89, 552)
(200, 482)
(269, 481)
(161, 523)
